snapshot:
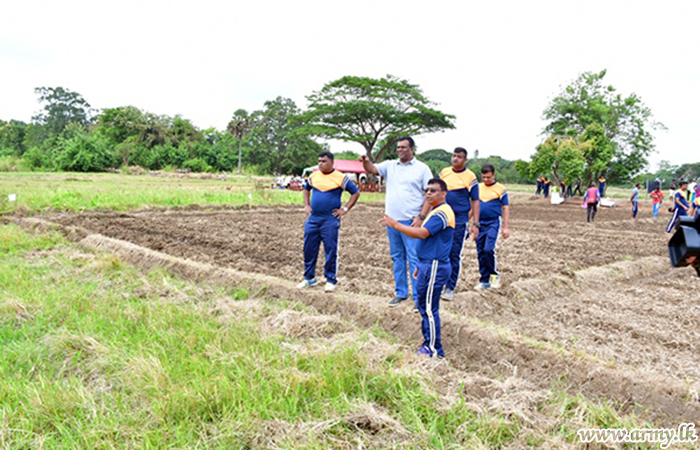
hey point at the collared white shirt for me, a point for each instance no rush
(405, 187)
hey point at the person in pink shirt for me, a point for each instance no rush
(591, 199)
(656, 198)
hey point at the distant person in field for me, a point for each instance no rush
(540, 183)
(672, 190)
(691, 190)
(545, 187)
(463, 198)
(634, 199)
(434, 239)
(494, 216)
(680, 205)
(562, 188)
(406, 182)
(322, 203)
(695, 207)
(591, 199)
(657, 198)
(601, 186)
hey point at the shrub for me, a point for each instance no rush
(196, 165)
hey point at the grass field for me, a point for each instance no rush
(100, 354)
(41, 192)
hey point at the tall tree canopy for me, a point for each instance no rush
(61, 107)
(371, 111)
(626, 124)
(276, 144)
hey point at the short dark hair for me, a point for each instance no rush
(461, 150)
(682, 183)
(327, 154)
(488, 168)
(411, 143)
(443, 185)
(636, 185)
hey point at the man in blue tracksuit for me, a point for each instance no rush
(494, 216)
(323, 210)
(433, 250)
(680, 206)
(463, 198)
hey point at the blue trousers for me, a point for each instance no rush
(486, 249)
(677, 212)
(460, 235)
(432, 276)
(317, 229)
(655, 208)
(403, 252)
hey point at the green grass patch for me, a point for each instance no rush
(97, 355)
(41, 192)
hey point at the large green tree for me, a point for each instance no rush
(61, 107)
(276, 143)
(627, 122)
(560, 158)
(370, 112)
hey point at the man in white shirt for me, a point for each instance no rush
(406, 182)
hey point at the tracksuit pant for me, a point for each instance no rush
(486, 249)
(432, 276)
(461, 234)
(591, 210)
(677, 212)
(317, 229)
(403, 252)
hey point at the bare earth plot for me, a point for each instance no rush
(595, 308)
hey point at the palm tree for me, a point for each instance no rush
(240, 126)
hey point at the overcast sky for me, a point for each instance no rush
(495, 65)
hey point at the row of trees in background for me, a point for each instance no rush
(592, 131)
(69, 135)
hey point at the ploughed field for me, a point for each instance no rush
(602, 292)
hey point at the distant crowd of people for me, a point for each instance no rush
(291, 182)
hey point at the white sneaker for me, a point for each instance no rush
(481, 286)
(307, 284)
(448, 295)
(495, 281)
(330, 287)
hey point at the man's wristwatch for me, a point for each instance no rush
(477, 225)
(421, 216)
(344, 209)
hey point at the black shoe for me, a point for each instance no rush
(396, 300)
(415, 309)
